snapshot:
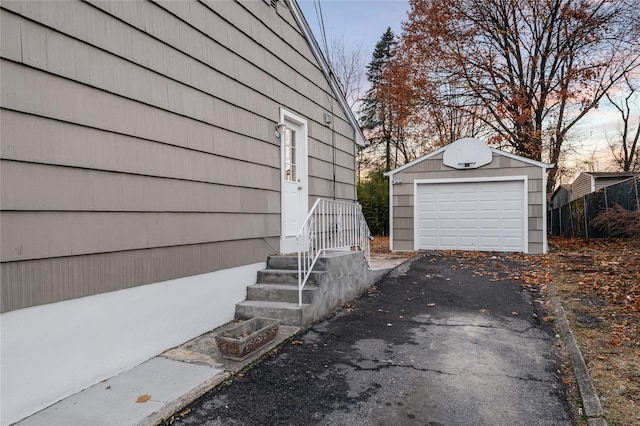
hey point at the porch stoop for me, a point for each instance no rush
(336, 278)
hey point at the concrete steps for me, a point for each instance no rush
(291, 263)
(281, 292)
(337, 277)
(286, 276)
(275, 295)
(287, 313)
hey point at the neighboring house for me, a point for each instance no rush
(467, 196)
(143, 184)
(561, 196)
(588, 182)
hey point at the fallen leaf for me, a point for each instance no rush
(431, 305)
(514, 313)
(296, 342)
(143, 398)
(547, 319)
(185, 411)
(616, 342)
(484, 311)
(602, 357)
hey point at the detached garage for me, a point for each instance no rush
(467, 196)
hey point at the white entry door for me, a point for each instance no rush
(294, 177)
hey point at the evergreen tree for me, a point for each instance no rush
(374, 114)
(373, 195)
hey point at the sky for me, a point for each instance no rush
(357, 21)
(362, 22)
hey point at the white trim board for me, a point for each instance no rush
(523, 178)
(55, 350)
(432, 154)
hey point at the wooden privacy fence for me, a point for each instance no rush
(574, 219)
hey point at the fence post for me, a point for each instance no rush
(584, 210)
(636, 188)
(560, 220)
(606, 209)
(573, 232)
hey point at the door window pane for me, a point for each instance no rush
(290, 155)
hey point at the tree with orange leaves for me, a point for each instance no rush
(529, 70)
(389, 110)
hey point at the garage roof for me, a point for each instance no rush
(493, 150)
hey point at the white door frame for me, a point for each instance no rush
(293, 211)
(525, 208)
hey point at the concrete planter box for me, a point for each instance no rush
(240, 341)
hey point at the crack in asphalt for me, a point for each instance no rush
(386, 364)
(488, 326)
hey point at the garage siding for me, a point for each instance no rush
(432, 168)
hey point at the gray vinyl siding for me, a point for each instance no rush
(26, 284)
(561, 197)
(134, 134)
(581, 186)
(604, 181)
(432, 168)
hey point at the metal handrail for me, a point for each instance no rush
(330, 225)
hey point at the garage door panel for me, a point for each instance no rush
(470, 223)
(490, 242)
(489, 223)
(471, 215)
(447, 242)
(469, 241)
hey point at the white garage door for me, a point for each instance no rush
(486, 216)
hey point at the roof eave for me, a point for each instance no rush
(494, 150)
(335, 87)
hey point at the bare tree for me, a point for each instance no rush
(347, 64)
(626, 150)
(532, 69)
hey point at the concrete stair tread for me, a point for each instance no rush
(272, 304)
(288, 262)
(285, 286)
(289, 271)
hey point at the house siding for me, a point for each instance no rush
(581, 186)
(433, 168)
(27, 284)
(561, 197)
(134, 133)
(603, 182)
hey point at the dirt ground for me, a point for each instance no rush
(598, 282)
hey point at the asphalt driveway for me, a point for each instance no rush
(437, 342)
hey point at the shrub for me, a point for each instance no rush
(373, 194)
(618, 222)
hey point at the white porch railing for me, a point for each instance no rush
(330, 225)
